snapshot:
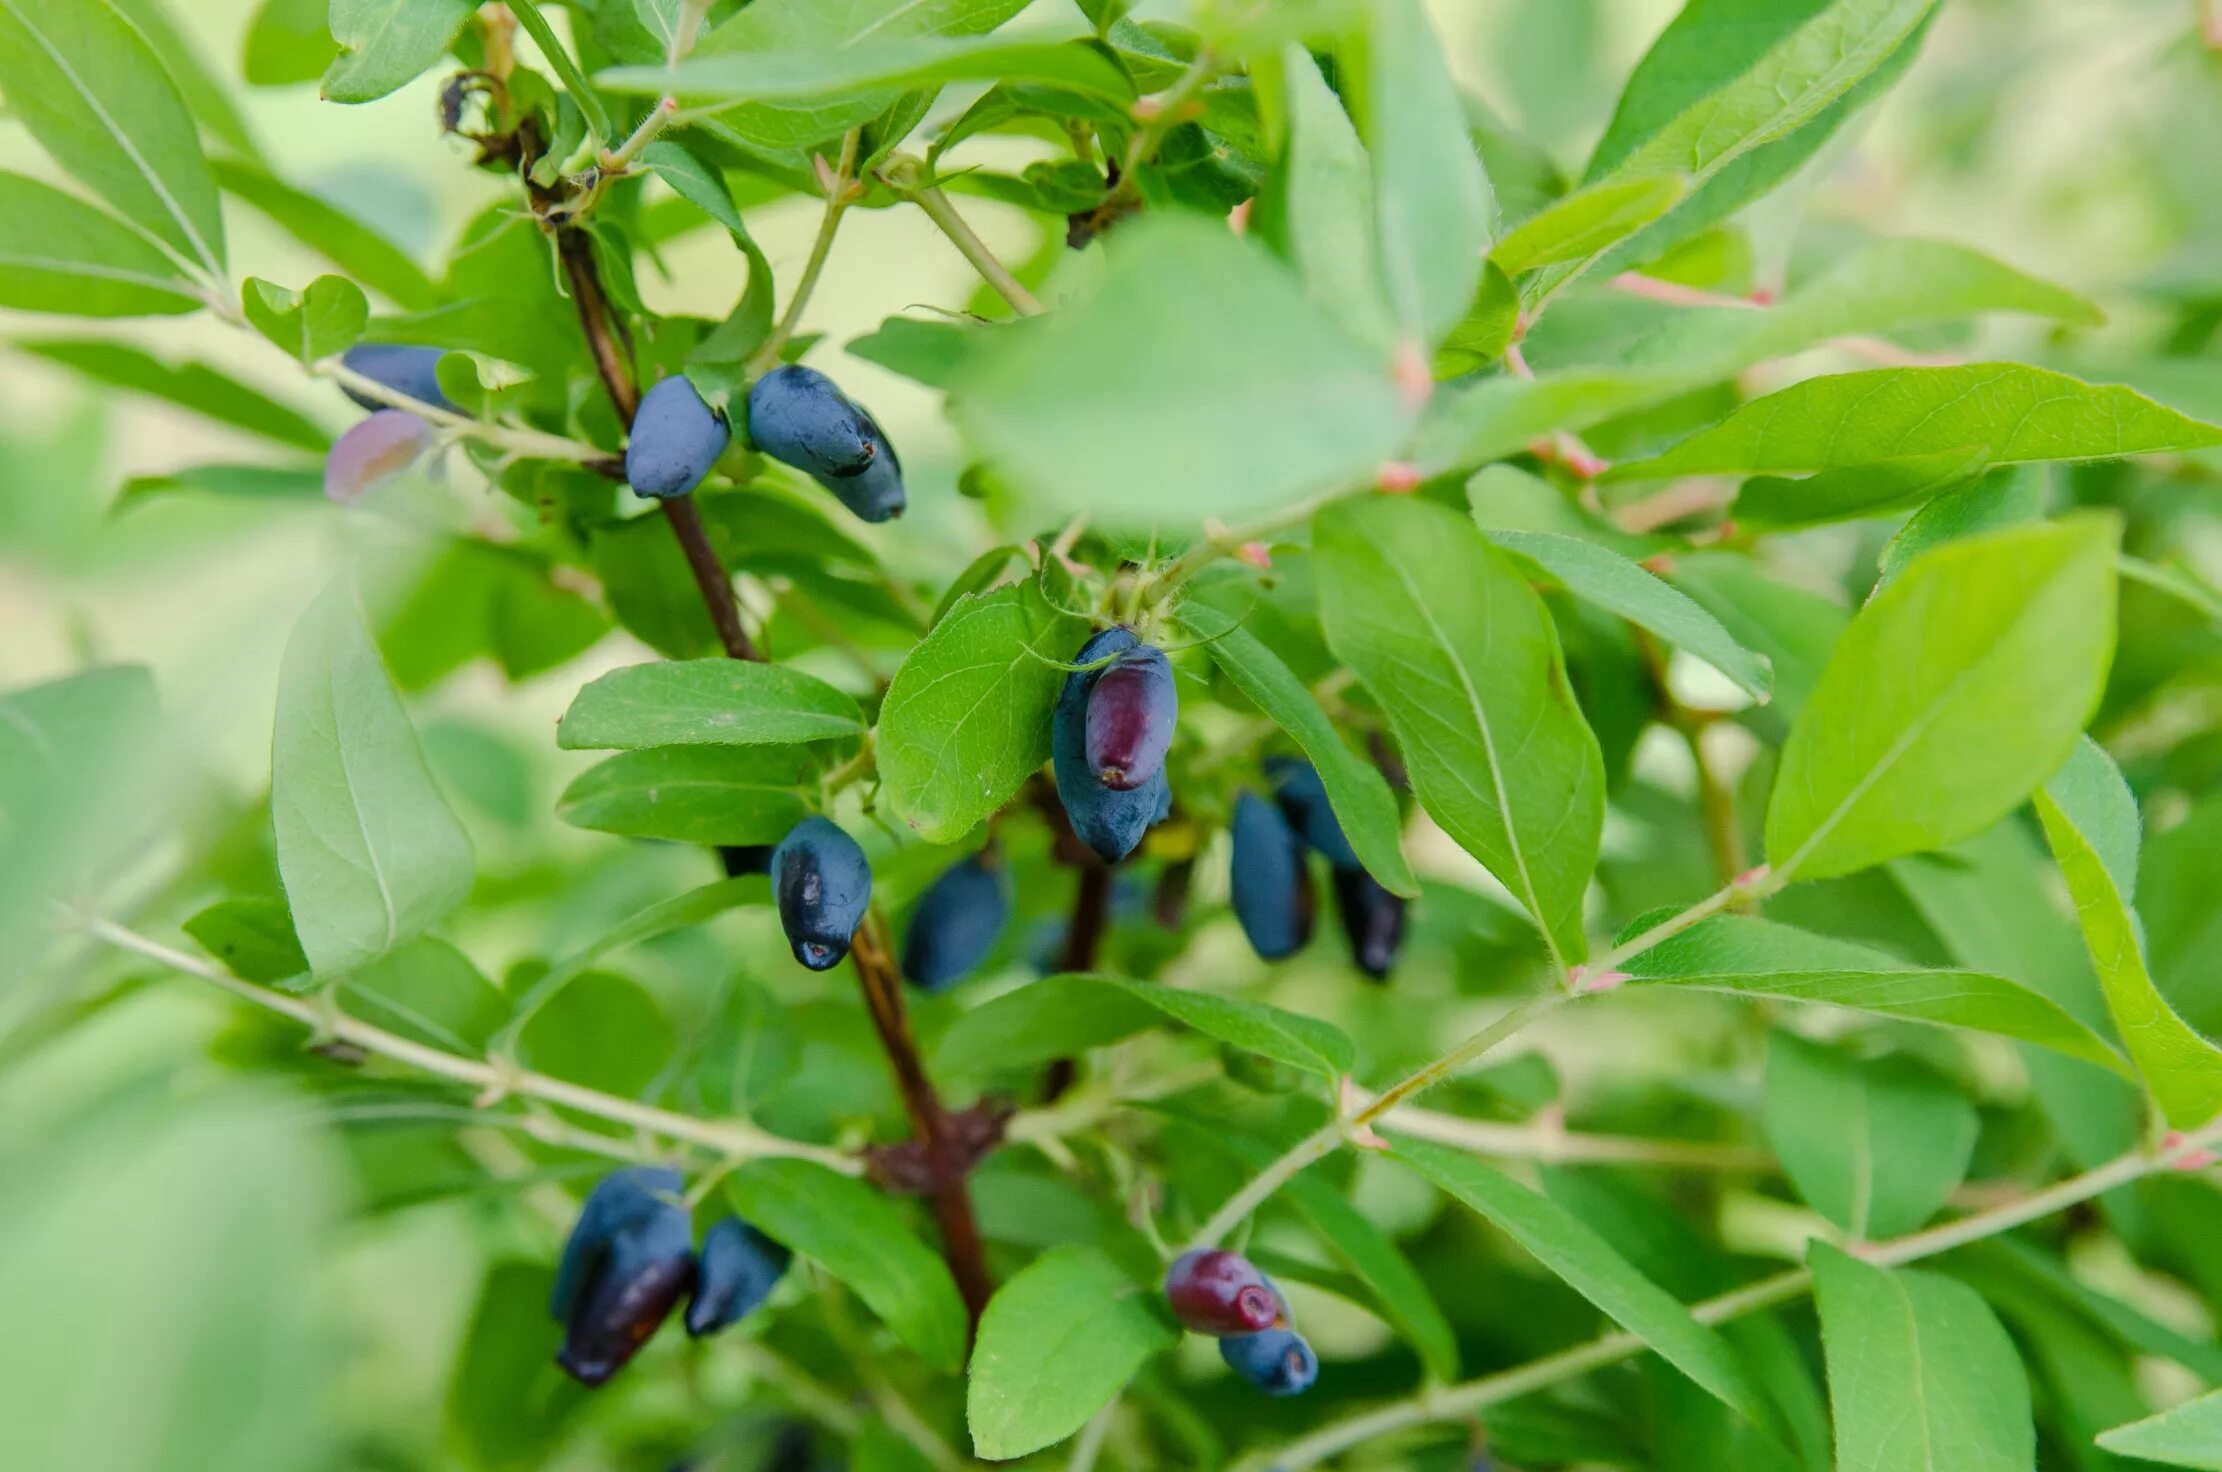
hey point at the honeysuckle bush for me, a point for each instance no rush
(1750, 755)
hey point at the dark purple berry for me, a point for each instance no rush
(1297, 788)
(629, 1259)
(822, 883)
(1373, 918)
(737, 1269)
(1109, 821)
(404, 369)
(745, 858)
(1214, 1291)
(1277, 1361)
(1272, 885)
(958, 921)
(676, 440)
(1131, 711)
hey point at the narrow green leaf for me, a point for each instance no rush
(2013, 496)
(1056, 1344)
(321, 321)
(2092, 794)
(706, 702)
(428, 990)
(1356, 790)
(1431, 196)
(856, 1234)
(507, 1402)
(930, 350)
(189, 385)
(1586, 222)
(370, 853)
(288, 41)
(1921, 1376)
(966, 720)
(1196, 379)
(59, 254)
(386, 44)
(2020, 413)
(1874, 1145)
(1574, 1252)
(1754, 957)
(2181, 1070)
(1062, 1014)
(1602, 576)
(358, 250)
(560, 61)
(301, 483)
(2189, 1435)
(1772, 503)
(1960, 687)
(876, 67)
(90, 89)
(604, 1031)
(1317, 212)
(204, 92)
(1461, 654)
(253, 938)
(693, 794)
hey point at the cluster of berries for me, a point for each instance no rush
(1223, 1294)
(631, 1257)
(1272, 882)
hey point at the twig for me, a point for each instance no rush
(1457, 1402)
(1469, 1051)
(710, 576)
(734, 1138)
(530, 443)
(992, 270)
(840, 194)
(1159, 115)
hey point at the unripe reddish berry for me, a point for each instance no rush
(1214, 1291)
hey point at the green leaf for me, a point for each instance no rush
(1771, 503)
(190, 385)
(369, 850)
(507, 1403)
(1741, 57)
(876, 67)
(2014, 496)
(1431, 198)
(566, 68)
(1751, 957)
(1921, 1376)
(1602, 576)
(928, 350)
(430, 991)
(1064, 1014)
(693, 794)
(2092, 795)
(1360, 796)
(603, 1031)
(857, 1234)
(320, 322)
(386, 44)
(693, 179)
(1586, 222)
(2017, 412)
(1461, 654)
(59, 254)
(1196, 379)
(810, 37)
(966, 720)
(203, 91)
(288, 41)
(706, 702)
(2189, 1435)
(360, 251)
(1705, 117)
(90, 89)
(878, 1447)
(1874, 1145)
(1056, 1344)
(1317, 211)
(2181, 1070)
(1575, 1253)
(1963, 685)
(253, 938)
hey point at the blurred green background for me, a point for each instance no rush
(190, 1276)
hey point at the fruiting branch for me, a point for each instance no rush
(930, 198)
(840, 194)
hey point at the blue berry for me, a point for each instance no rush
(1272, 885)
(404, 369)
(800, 417)
(738, 1268)
(1278, 1361)
(1296, 786)
(1372, 918)
(1109, 821)
(629, 1259)
(958, 921)
(822, 883)
(676, 440)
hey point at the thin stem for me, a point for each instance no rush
(1317, 1145)
(530, 443)
(1158, 116)
(992, 270)
(839, 196)
(1554, 1144)
(1224, 541)
(1470, 1051)
(691, 14)
(1745, 890)
(735, 1138)
(1459, 1401)
(1089, 1444)
(577, 252)
(710, 576)
(618, 159)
